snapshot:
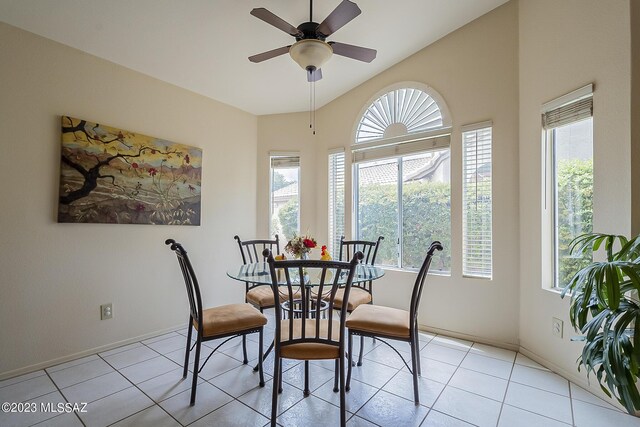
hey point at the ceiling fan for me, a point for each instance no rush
(311, 50)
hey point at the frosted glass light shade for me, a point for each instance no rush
(311, 53)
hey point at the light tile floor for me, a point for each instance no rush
(463, 384)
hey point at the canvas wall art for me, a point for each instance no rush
(110, 175)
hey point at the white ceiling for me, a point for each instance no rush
(203, 45)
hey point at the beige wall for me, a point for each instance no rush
(475, 69)
(53, 277)
(286, 133)
(635, 117)
(563, 46)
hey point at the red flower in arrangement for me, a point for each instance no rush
(153, 171)
(187, 159)
(140, 207)
(300, 245)
(134, 165)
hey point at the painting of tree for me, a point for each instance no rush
(110, 175)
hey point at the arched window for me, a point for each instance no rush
(401, 179)
(401, 111)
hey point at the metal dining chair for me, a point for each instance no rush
(306, 284)
(226, 321)
(362, 292)
(381, 322)
(260, 296)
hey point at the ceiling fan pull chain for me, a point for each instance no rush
(310, 107)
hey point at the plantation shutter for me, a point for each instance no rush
(336, 201)
(572, 107)
(477, 200)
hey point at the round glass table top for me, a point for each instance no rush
(259, 273)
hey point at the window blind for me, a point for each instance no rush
(572, 107)
(578, 110)
(477, 202)
(336, 202)
(285, 161)
(395, 147)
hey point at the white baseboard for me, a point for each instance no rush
(575, 377)
(59, 360)
(467, 337)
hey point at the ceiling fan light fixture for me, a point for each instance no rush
(311, 53)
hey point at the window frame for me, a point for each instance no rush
(283, 154)
(400, 218)
(550, 228)
(398, 146)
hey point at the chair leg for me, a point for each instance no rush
(416, 344)
(361, 350)
(335, 377)
(244, 350)
(274, 397)
(280, 376)
(414, 371)
(306, 391)
(343, 399)
(260, 358)
(196, 366)
(350, 345)
(264, 356)
(186, 355)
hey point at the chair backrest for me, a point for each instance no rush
(419, 284)
(313, 302)
(190, 281)
(251, 250)
(368, 248)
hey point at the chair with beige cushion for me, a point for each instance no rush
(260, 296)
(227, 321)
(361, 293)
(381, 322)
(310, 337)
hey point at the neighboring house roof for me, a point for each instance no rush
(413, 169)
(285, 193)
(385, 173)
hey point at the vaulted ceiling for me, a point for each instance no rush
(203, 45)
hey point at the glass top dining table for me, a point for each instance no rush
(259, 273)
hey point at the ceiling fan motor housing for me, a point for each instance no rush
(309, 31)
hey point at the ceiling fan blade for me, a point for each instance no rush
(276, 21)
(269, 54)
(354, 52)
(314, 75)
(342, 14)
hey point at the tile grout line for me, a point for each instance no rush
(530, 411)
(506, 390)
(63, 396)
(140, 390)
(446, 385)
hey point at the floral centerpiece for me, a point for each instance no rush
(300, 246)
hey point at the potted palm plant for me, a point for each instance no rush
(606, 311)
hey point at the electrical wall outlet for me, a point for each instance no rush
(556, 327)
(106, 311)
